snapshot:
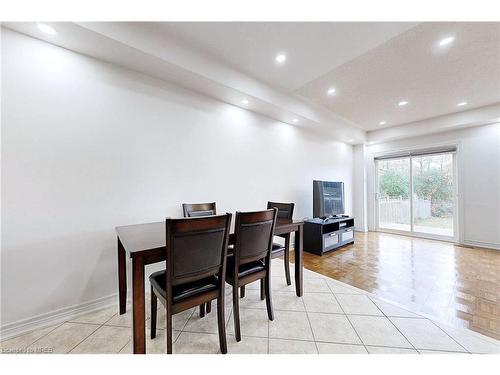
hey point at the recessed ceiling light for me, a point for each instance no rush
(331, 91)
(382, 123)
(461, 104)
(47, 29)
(402, 103)
(244, 101)
(350, 140)
(445, 41)
(280, 58)
(295, 120)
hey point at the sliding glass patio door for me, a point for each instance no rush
(416, 193)
(394, 194)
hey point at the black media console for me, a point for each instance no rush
(321, 236)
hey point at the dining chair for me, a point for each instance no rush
(197, 210)
(196, 253)
(285, 211)
(251, 257)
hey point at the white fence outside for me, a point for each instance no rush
(397, 210)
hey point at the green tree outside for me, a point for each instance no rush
(394, 183)
(432, 181)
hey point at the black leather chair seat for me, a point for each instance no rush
(277, 247)
(180, 292)
(245, 269)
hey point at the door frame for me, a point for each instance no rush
(377, 196)
(457, 196)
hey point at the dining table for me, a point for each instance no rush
(145, 244)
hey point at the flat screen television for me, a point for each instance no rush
(328, 198)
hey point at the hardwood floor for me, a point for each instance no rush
(456, 284)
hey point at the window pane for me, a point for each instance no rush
(394, 194)
(433, 203)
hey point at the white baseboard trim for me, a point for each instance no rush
(57, 316)
(487, 245)
(363, 230)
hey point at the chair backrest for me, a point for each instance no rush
(285, 210)
(196, 248)
(253, 235)
(199, 209)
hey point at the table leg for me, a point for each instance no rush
(138, 308)
(122, 278)
(298, 261)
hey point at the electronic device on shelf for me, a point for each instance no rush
(334, 217)
(328, 199)
(331, 227)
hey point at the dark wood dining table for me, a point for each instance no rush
(145, 244)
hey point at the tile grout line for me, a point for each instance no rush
(336, 313)
(181, 330)
(94, 331)
(319, 341)
(90, 334)
(310, 325)
(418, 318)
(165, 329)
(104, 325)
(128, 342)
(419, 349)
(402, 334)
(87, 323)
(441, 350)
(340, 305)
(85, 338)
(446, 333)
(111, 325)
(475, 334)
(187, 320)
(55, 327)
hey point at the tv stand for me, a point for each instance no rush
(323, 235)
(334, 217)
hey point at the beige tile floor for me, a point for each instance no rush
(331, 318)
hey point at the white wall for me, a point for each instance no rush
(478, 164)
(360, 187)
(87, 146)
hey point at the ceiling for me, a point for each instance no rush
(372, 66)
(312, 48)
(146, 48)
(414, 68)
